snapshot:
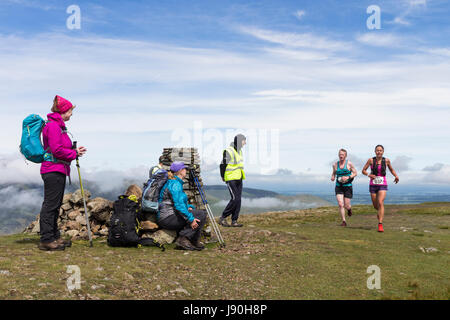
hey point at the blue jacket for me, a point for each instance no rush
(173, 200)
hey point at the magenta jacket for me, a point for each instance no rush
(58, 144)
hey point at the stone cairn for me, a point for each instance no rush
(72, 222)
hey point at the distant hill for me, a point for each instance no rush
(257, 200)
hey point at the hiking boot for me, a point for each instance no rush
(223, 222)
(184, 243)
(236, 224)
(66, 243)
(198, 245)
(51, 246)
(343, 224)
(380, 227)
(349, 212)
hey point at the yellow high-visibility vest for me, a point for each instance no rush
(235, 167)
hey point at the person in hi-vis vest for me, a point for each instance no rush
(232, 172)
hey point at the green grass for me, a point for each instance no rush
(301, 254)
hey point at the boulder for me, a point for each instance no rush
(148, 225)
(100, 208)
(81, 220)
(162, 236)
(36, 227)
(76, 197)
(66, 198)
(74, 214)
(73, 225)
(72, 233)
(66, 206)
(103, 231)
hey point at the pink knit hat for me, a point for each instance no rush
(63, 105)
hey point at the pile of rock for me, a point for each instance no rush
(191, 159)
(72, 221)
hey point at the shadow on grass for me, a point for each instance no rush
(28, 240)
(361, 228)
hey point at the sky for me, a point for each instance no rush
(301, 79)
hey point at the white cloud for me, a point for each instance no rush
(297, 40)
(379, 39)
(299, 14)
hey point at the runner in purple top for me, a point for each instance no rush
(378, 183)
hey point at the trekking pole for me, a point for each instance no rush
(86, 213)
(208, 209)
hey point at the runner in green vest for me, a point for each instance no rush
(345, 172)
(232, 172)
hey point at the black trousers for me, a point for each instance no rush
(176, 222)
(234, 206)
(54, 186)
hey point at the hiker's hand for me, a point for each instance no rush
(371, 176)
(396, 180)
(194, 223)
(332, 178)
(81, 151)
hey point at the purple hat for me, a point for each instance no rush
(177, 166)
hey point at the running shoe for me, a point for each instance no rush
(380, 227)
(343, 224)
(349, 212)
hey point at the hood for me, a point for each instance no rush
(56, 117)
(237, 143)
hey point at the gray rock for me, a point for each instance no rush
(76, 197)
(100, 208)
(66, 206)
(36, 228)
(66, 198)
(81, 220)
(72, 233)
(164, 236)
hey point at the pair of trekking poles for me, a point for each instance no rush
(208, 209)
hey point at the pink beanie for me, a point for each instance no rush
(63, 105)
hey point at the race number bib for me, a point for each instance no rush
(341, 180)
(378, 180)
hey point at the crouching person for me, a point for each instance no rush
(174, 212)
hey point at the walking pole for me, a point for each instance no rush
(86, 213)
(208, 209)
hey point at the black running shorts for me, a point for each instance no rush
(346, 191)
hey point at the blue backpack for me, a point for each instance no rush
(30, 143)
(152, 188)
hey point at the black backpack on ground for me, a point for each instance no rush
(124, 225)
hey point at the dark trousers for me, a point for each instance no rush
(234, 206)
(54, 185)
(178, 223)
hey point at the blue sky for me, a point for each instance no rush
(310, 73)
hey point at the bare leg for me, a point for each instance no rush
(340, 200)
(375, 203)
(380, 200)
(347, 203)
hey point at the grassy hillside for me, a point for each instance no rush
(301, 254)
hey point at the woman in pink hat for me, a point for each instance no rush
(57, 142)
